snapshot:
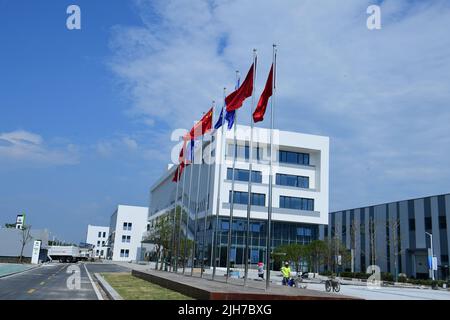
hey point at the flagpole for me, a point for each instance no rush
(269, 210)
(230, 226)
(188, 208)
(208, 184)
(250, 160)
(172, 265)
(215, 241)
(182, 204)
(196, 205)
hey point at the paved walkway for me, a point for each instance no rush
(220, 289)
(10, 268)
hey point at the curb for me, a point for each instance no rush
(110, 292)
(18, 272)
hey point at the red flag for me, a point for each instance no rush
(260, 110)
(178, 172)
(176, 175)
(235, 100)
(202, 126)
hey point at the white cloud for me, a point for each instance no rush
(382, 96)
(27, 147)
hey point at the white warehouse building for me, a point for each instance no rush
(98, 237)
(299, 200)
(127, 227)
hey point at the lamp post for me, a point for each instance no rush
(432, 255)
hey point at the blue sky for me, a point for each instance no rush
(86, 116)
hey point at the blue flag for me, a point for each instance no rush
(219, 122)
(229, 116)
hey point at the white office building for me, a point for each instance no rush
(127, 226)
(299, 199)
(98, 237)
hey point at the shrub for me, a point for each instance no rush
(387, 277)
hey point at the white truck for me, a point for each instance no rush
(65, 253)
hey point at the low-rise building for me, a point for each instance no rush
(11, 240)
(398, 237)
(127, 226)
(97, 236)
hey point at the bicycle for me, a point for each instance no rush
(332, 284)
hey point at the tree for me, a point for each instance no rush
(373, 240)
(10, 225)
(26, 237)
(316, 252)
(335, 248)
(160, 236)
(291, 252)
(394, 241)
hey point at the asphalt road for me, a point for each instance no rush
(49, 282)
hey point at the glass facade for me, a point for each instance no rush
(282, 233)
(293, 157)
(242, 175)
(258, 199)
(297, 203)
(292, 181)
(243, 152)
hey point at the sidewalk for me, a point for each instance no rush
(7, 269)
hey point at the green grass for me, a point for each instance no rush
(132, 288)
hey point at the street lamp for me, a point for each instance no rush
(432, 255)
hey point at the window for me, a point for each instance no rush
(428, 225)
(100, 234)
(101, 252)
(126, 239)
(127, 226)
(258, 199)
(297, 203)
(124, 253)
(98, 243)
(412, 224)
(103, 243)
(293, 157)
(293, 181)
(242, 175)
(104, 234)
(96, 253)
(243, 152)
(442, 222)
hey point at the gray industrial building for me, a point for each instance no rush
(396, 236)
(11, 244)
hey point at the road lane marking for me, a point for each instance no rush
(99, 296)
(31, 291)
(42, 283)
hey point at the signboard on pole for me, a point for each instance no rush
(435, 264)
(36, 250)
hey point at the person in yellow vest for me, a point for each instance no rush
(286, 273)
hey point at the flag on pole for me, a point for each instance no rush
(235, 100)
(219, 121)
(229, 116)
(202, 126)
(182, 163)
(260, 110)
